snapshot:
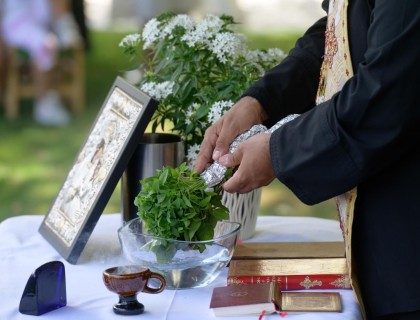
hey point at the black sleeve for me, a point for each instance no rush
(291, 86)
(367, 126)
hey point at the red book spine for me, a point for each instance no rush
(297, 282)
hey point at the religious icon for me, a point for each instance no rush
(97, 168)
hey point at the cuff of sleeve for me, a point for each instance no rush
(308, 158)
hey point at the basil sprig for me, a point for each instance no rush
(177, 204)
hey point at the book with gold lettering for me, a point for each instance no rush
(254, 299)
(296, 282)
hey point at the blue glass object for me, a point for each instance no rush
(45, 290)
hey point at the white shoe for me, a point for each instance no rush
(50, 111)
(67, 31)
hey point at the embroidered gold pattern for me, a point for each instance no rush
(331, 44)
(336, 70)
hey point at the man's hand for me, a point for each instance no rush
(218, 138)
(255, 169)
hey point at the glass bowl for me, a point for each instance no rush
(184, 264)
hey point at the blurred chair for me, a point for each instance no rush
(69, 79)
(16, 80)
(3, 59)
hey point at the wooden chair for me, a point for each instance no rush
(69, 79)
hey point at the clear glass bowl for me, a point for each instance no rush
(184, 264)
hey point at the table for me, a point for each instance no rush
(23, 249)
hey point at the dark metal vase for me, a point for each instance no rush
(154, 151)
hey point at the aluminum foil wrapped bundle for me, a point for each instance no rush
(215, 174)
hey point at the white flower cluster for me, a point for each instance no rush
(218, 109)
(190, 112)
(192, 154)
(158, 90)
(181, 20)
(260, 57)
(203, 31)
(227, 45)
(207, 34)
(150, 33)
(271, 55)
(276, 54)
(131, 40)
(154, 30)
(196, 70)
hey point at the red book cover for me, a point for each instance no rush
(296, 282)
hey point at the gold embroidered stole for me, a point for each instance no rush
(336, 69)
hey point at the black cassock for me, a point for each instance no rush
(367, 135)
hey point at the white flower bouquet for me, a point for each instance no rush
(196, 70)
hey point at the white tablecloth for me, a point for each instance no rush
(23, 249)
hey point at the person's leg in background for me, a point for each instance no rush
(78, 10)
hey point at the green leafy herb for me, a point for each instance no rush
(177, 204)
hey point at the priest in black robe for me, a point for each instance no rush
(366, 136)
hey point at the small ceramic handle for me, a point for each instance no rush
(158, 276)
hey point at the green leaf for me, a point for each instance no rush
(220, 214)
(161, 198)
(195, 225)
(204, 202)
(186, 201)
(163, 176)
(206, 231)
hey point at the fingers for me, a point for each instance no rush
(216, 142)
(218, 138)
(255, 169)
(231, 159)
(204, 157)
(239, 182)
(228, 133)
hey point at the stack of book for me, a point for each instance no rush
(292, 265)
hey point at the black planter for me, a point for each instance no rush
(154, 151)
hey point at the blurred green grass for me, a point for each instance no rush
(34, 160)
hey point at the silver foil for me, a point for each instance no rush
(214, 174)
